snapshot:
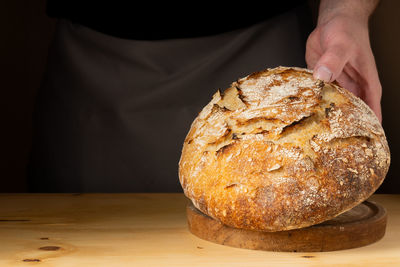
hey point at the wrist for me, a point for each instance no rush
(357, 11)
(344, 16)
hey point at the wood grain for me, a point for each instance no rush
(148, 230)
(360, 226)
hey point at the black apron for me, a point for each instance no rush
(112, 114)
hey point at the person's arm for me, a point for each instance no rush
(339, 49)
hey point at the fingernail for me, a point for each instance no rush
(323, 73)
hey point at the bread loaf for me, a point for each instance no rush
(279, 150)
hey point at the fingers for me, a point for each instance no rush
(354, 81)
(331, 63)
(312, 57)
(373, 95)
(348, 82)
(372, 88)
(375, 105)
(313, 49)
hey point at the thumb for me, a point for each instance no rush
(331, 63)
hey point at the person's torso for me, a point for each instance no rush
(148, 20)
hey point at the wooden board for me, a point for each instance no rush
(360, 226)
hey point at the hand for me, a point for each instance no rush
(339, 49)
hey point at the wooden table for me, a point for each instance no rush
(147, 230)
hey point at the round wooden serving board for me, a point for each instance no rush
(360, 226)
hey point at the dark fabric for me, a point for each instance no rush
(112, 114)
(148, 20)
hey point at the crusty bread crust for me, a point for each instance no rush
(279, 150)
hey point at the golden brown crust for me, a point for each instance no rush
(279, 150)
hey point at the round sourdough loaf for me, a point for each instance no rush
(279, 150)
